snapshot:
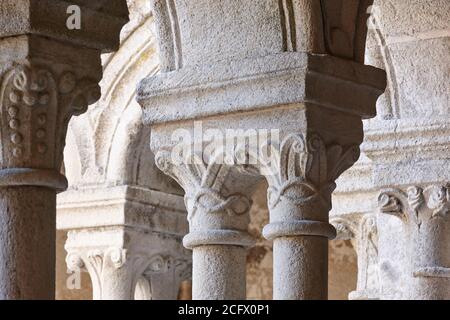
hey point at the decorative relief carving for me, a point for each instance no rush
(203, 184)
(307, 169)
(363, 232)
(116, 258)
(102, 264)
(417, 204)
(35, 109)
(425, 212)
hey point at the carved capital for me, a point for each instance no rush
(303, 178)
(49, 73)
(116, 268)
(215, 214)
(36, 106)
(425, 213)
(417, 205)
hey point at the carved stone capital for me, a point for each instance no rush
(215, 215)
(37, 104)
(48, 74)
(425, 214)
(121, 260)
(301, 184)
(115, 271)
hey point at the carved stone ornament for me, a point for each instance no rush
(36, 106)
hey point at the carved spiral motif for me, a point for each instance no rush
(415, 197)
(74, 261)
(389, 204)
(117, 256)
(308, 169)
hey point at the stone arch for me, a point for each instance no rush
(379, 55)
(108, 144)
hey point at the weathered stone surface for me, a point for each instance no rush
(119, 203)
(228, 77)
(406, 150)
(46, 78)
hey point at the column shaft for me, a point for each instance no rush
(219, 272)
(300, 270)
(27, 243)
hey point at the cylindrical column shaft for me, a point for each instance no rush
(219, 272)
(27, 242)
(300, 270)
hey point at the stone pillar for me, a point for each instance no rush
(409, 150)
(361, 230)
(128, 239)
(218, 214)
(425, 217)
(299, 198)
(48, 74)
(288, 73)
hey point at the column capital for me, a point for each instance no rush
(215, 215)
(49, 73)
(118, 258)
(362, 230)
(127, 238)
(300, 188)
(417, 205)
(424, 213)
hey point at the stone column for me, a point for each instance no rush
(128, 239)
(48, 74)
(409, 150)
(264, 69)
(218, 213)
(361, 230)
(424, 213)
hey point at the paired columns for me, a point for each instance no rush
(48, 74)
(273, 102)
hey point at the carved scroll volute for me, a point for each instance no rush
(36, 106)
